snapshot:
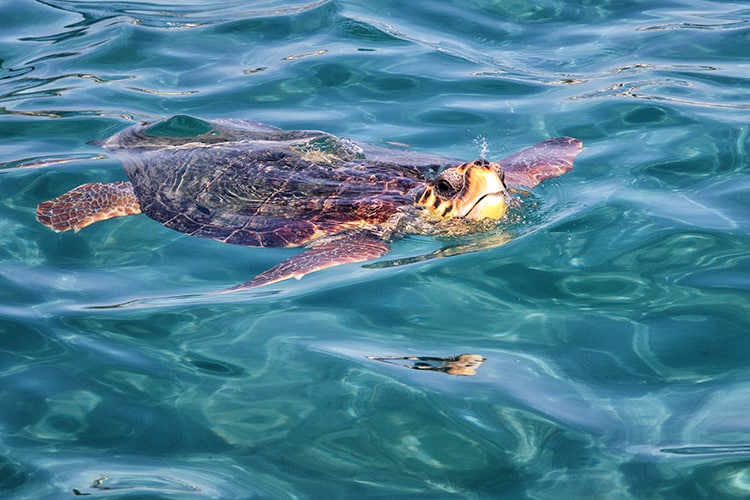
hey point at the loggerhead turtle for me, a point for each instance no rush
(247, 183)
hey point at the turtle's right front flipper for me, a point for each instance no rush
(345, 249)
(87, 204)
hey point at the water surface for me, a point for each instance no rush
(615, 326)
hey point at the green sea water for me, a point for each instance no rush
(615, 324)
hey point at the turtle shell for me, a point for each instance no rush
(247, 183)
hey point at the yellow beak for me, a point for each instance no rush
(490, 206)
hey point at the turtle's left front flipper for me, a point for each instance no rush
(343, 249)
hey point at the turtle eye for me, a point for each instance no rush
(449, 183)
(444, 187)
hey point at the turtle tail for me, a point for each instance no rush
(87, 204)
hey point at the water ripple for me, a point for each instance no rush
(727, 25)
(614, 323)
(734, 449)
(170, 16)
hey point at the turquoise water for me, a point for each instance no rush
(615, 326)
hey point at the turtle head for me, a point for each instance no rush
(472, 191)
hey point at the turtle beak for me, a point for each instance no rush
(489, 206)
(486, 194)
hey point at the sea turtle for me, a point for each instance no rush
(247, 183)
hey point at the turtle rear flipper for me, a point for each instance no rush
(346, 249)
(87, 204)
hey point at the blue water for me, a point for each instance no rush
(616, 326)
